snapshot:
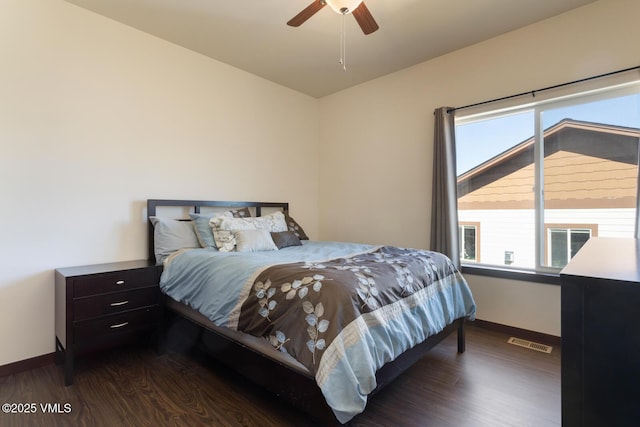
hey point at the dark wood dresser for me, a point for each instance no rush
(601, 334)
(104, 305)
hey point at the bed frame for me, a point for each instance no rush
(297, 389)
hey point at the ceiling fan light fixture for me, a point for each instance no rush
(343, 7)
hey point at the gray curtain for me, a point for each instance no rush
(444, 195)
(637, 230)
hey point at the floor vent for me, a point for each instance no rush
(530, 345)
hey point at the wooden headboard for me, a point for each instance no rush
(196, 205)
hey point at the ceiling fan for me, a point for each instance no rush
(343, 7)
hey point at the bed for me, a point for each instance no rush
(324, 325)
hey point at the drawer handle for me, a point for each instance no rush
(119, 325)
(120, 282)
(116, 304)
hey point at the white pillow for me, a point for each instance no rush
(254, 241)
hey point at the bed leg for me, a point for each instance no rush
(461, 338)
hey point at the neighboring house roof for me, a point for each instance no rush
(586, 165)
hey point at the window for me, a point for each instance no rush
(543, 178)
(469, 235)
(564, 241)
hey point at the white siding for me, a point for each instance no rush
(514, 229)
(611, 222)
(504, 230)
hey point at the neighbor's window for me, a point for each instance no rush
(469, 236)
(573, 162)
(563, 242)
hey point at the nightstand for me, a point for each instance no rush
(103, 306)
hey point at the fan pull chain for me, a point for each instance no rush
(343, 44)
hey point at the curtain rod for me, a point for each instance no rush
(533, 92)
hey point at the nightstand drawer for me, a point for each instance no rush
(102, 305)
(129, 321)
(114, 282)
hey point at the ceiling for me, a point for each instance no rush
(252, 34)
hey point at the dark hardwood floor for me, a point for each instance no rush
(492, 384)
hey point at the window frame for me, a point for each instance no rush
(541, 272)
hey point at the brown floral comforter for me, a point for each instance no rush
(369, 307)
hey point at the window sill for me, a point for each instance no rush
(503, 273)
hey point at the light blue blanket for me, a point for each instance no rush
(216, 284)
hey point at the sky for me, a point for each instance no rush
(479, 141)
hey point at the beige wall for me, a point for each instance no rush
(376, 138)
(96, 117)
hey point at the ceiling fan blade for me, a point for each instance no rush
(365, 19)
(307, 13)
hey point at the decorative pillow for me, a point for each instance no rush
(284, 239)
(292, 225)
(272, 222)
(223, 227)
(241, 213)
(224, 239)
(170, 235)
(202, 229)
(254, 241)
